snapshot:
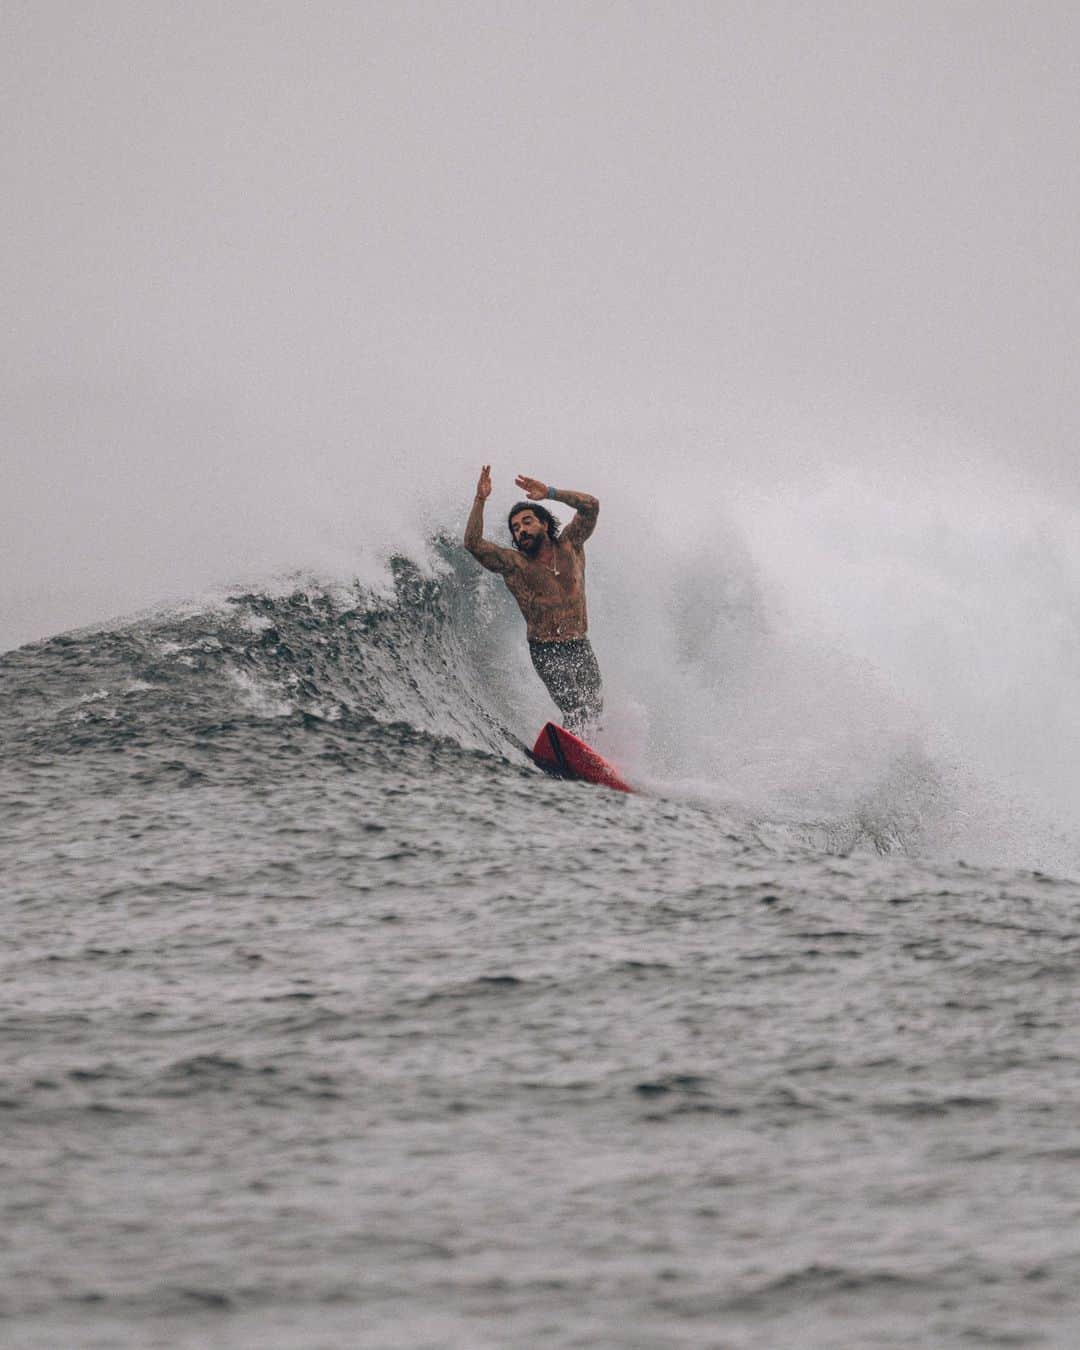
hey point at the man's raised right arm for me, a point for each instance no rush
(487, 554)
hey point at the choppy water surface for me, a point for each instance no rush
(328, 1021)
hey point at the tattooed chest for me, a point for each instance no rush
(545, 586)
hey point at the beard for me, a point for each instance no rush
(530, 546)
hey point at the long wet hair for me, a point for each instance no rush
(541, 513)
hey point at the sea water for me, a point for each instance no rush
(330, 1021)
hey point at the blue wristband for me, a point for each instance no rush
(551, 493)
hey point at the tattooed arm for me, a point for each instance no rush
(487, 554)
(587, 508)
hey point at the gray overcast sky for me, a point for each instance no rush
(269, 268)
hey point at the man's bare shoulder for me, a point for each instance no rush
(495, 557)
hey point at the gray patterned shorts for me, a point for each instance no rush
(572, 677)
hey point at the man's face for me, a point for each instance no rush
(528, 530)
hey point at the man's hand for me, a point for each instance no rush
(532, 487)
(487, 554)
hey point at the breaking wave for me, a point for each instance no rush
(894, 671)
(437, 652)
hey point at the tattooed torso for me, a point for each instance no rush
(553, 605)
(550, 590)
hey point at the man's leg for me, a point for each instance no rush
(572, 676)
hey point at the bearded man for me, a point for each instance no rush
(545, 573)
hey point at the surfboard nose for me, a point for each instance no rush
(560, 752)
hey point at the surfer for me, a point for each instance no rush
(545, 573)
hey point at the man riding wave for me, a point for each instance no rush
(545, 573)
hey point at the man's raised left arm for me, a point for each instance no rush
(587, 508)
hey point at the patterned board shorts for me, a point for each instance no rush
(572, 677)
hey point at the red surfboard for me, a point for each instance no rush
(560, 751)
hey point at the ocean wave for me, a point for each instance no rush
(706, 711)
(422, 655)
